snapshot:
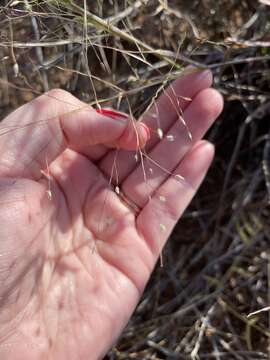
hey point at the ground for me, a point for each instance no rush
(217, 263)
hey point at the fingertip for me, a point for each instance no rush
(210, 102)
(217, 100)
(144, 133)
(203, 154)
(206, 147)
(134, 137)
(196, 78)
(198, 72)
(196, 163)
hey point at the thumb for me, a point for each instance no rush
(38, 132)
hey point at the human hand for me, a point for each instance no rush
(74, 257)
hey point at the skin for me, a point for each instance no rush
(72, 269)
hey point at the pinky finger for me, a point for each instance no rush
(158, 218)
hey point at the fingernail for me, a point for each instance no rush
(111, 113)
(146, 130)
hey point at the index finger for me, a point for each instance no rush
(38, 132)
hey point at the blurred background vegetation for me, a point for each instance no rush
(211, 299)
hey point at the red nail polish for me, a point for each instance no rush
(111, 113)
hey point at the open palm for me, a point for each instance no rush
(74, 256)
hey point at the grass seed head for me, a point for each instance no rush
(160, 133)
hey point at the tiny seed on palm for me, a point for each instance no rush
(170, 138)
(179, 178)
(162, 227)
(49, 193)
